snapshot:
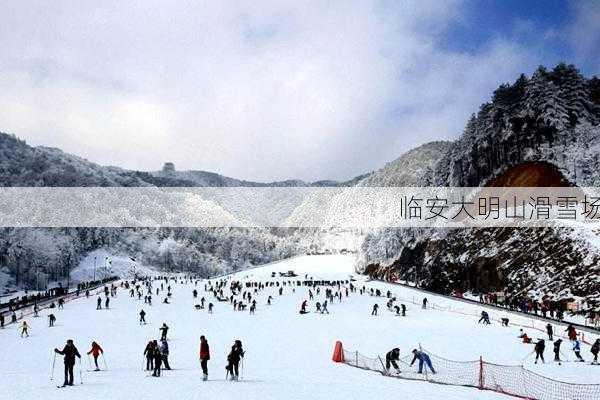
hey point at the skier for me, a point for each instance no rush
(577, 350)
(2, 320)
(390, 360)
(595, 350)
(424, 303)
(69, 352)
(204, 357)
(195, 293)
(157, 358)
(557, 344)
(142, 317)
(210, 308)
(571, 332)
(375, 307)
(164, 351)
(163, 331)
(324, 308)
(269, 300)
(95, 351)
(550, 331)
(485, 317)
(423, 359)
(149, 353)
(233, 359)
(106, 302)
(51, 320)
(539, 350)
(24, 329)
(303, 307)
(99, 303)
(403, 310)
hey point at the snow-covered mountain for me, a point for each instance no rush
(541, 130)
(538, 131)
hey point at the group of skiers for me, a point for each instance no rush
(69, 353)
(540, 345)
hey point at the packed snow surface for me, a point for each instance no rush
(288, 355)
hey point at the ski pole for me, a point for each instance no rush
(527, 356)
(80, 372)
(53, 362)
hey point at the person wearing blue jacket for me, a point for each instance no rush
(423, 359)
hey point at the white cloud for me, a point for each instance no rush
(584, 32)
(257, 90)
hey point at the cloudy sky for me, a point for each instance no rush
(268, 90)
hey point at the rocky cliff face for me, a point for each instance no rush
(539, 131)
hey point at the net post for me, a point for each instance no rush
(481, 373)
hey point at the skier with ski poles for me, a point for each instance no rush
(557, 344)
(99, 303)
(142, 317)
(95, 351)
(204, 357)
(391, 359)
(233, 360)
(69, 352)
(539, 350)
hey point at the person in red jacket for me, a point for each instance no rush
(95, 351)
(204, 357)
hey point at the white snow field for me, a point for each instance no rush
(288, 355)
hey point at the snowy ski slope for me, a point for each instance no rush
(288, 356)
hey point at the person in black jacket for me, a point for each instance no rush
(157, 355)
(69, 352)
(539, 350)
(549, 331)
(390, 359)
(149, 353)
(557, 344)
(233, 359)
(595, 350)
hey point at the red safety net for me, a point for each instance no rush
(511, 380)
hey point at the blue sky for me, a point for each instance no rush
(541, 25)
(272, 89)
